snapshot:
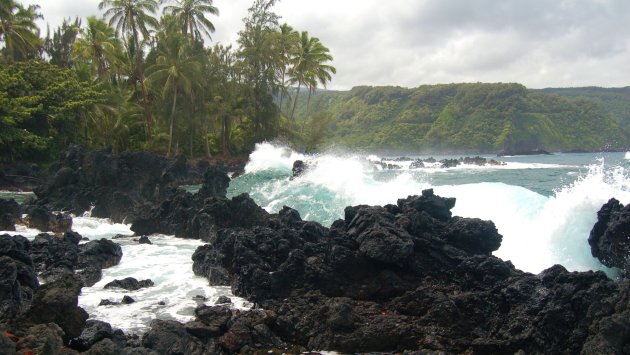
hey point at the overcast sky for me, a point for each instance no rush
(539, 43)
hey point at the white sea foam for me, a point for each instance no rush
(168, 264)
(268, 156)
(24, 231)
(539, 232)
(97, 228)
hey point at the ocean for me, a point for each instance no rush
(543, 205)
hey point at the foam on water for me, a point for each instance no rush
(538, 231)
(97, 228)
(168, 264)
(268, 156)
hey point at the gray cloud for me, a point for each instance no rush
(539, 43)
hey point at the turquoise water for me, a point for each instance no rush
(544, 206)
(19, 197)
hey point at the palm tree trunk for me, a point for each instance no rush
(283, 88)
(297, 93)
(170, 135)
(308, 102)
(148, 118)
(205, 138)
(225, 135)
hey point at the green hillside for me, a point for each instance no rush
(615, 101)
(484, 118)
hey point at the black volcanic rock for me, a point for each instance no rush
(41, 218)
(18, 282)
(189, 216)
(57, 302)
(21, 176)
(101, 254)
(10, 214)
(610, 237)
(535, 151)
(49, 251)
(94, 332)
(129, 284)
(116, 186)
(298, 168)
(405, 277)
(170, 337)
(144, 240)
(215, 183)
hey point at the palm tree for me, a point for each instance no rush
(18, 29)
(191, 17)
(175, 70)
(309, 65)
(134, 18)
(98, 45)
(287, 40)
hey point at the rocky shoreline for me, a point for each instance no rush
(404, 278)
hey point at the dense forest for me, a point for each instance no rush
(471, 117)
(145, 76)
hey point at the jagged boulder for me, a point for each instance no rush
(55, 251)
(57, 302)
(94, 332)
(129, 284)
(10, 214)
(100, 254)
(41, 218)
(115, 186)
(610, 237)
(18, 278)
(170, 337)
(215, 183)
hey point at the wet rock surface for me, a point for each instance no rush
(129, 284)
(21, 176)
(116, 186)
(39, 217)
(18, 278)
(610, 237)
(10, 214)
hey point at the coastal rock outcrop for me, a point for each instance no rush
(18, 278)
(610, 237)
(194, 216)
(39, 217)
(129, 284)
(58, 255)
(21, 176)
(407, 277)
(10, 214)
(113, 186)
(57, 302)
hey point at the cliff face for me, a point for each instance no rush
(467, 118)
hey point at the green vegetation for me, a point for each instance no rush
(615, 101)
(464, 118)
(42, 109)
(144, 77)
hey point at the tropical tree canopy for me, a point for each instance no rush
(18, 30)
(191, 17)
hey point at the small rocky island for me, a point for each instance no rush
(402, 278)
